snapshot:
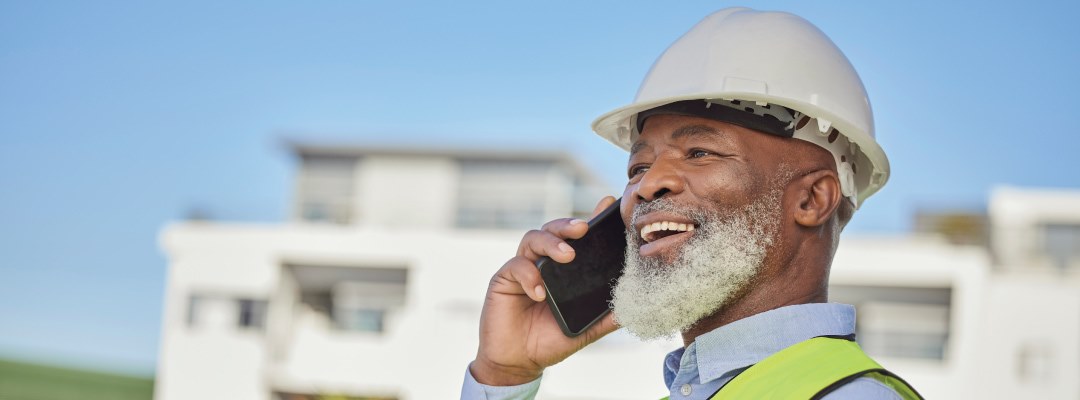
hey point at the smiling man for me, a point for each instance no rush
(751, 146)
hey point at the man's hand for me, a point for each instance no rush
(518, 335)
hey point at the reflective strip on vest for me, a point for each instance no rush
(809, 370)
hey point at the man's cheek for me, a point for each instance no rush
(626, 209)
(727, 188)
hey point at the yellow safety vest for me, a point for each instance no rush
(810, 370)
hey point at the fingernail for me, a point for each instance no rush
(577, 221)
(566, 248)
(539, 290)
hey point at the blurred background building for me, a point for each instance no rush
(373, 289)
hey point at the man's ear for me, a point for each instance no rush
(817, 197)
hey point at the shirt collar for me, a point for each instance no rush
(749, 340)
(673, 362)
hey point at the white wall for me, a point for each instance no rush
(403, 191)
(1036, 316)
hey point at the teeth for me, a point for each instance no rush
(664, 226)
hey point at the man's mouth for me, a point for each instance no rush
(663, 237)
(660, 230)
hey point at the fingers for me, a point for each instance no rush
(567, 228)
(603, 204)
(520, 276)
(549, 239)
(549, 242)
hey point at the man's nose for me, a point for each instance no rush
(661, 179)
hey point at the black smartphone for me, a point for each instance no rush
(579, 292)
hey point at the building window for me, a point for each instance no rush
(354, 299)
(218, 311)
(252, 313)
(325, 189)
(1035, 363)
(1061, 242)
(361, 305)
(195, 304)
(359, 319)
(502, 194)
(210, 311)
(906, 330)
(904, 322)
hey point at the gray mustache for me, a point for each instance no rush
(665, 204)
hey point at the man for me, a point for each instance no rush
(751, 144)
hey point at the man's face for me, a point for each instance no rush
(698, 163)
(702, 209)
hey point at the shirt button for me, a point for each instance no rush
(686, 389)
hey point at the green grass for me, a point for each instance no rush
(25, 381)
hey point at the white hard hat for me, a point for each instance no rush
(752, 61)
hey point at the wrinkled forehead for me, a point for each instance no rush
(671, 128)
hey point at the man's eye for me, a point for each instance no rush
(638, 170)
(698, 153)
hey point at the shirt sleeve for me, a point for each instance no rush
(862, 388)
(473, 390)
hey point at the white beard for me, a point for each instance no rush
(655, 298)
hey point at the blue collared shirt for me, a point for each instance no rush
(699, 370)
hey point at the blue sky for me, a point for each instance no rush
(116, 118)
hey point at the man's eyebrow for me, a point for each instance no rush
(638, 146)
(688, 131)
(692, 131)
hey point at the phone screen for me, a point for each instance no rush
(579, 292)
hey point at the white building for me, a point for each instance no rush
(373, 289)
(996, 318)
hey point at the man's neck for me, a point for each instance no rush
(735, 312)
